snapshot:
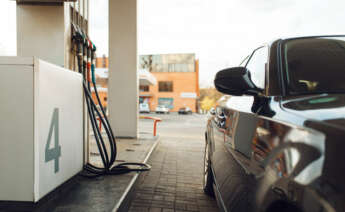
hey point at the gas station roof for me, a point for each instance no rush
(146, 78)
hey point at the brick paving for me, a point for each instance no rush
(175, 182)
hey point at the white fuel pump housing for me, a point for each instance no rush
(41, 127)
(44, 1)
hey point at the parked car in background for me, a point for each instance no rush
(185, 110)
(144, 108)
(162, 109)
(277, 143)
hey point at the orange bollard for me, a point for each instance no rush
(155, 127)
(100, 123)
(155, 120)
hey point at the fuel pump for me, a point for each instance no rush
(86, 53)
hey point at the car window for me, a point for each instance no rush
(257, 66)
(315, 65)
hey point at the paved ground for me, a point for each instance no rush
(175, 181)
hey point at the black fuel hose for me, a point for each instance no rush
(86, 52)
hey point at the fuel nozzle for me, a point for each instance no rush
(78, 38)
(93, 63)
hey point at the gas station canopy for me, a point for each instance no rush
(146, 78)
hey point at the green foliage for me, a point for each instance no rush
(207, 103)
(209, 97)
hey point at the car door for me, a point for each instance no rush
(234, 128)
(220, 157)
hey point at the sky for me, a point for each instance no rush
(8, 28)
(220, 32)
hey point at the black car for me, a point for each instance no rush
(185, 110)
(278, 142)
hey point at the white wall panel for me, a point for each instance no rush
(123, 59)
(30, 96)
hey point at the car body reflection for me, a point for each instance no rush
(276, 144)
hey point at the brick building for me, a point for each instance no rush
(177, 78)
(102, 85)
(102, 74)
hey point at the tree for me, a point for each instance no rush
(209, 97)
(207, 103)
(146, 62)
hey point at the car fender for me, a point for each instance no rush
(307, 149)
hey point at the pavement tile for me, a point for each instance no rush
(143, 196)
(162, 206)
(141, 204)
(180, 206)
(155, 210)
(169, 198)
(175, 180)
(138, 209)
(158, 197)
(208, 209)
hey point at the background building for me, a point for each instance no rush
(177, 78)
(102, 78)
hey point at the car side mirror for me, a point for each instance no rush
(235, 81)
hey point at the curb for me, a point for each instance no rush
(126, 198)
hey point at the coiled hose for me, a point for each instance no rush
(86, 53)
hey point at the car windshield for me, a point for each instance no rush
(315, 65)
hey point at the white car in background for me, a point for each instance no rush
(144, 108)
(162, 109)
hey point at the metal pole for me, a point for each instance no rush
(74, 13)
(84, 16)
(88, 16)
(74, 18)
(87, 116)
(79, 11)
